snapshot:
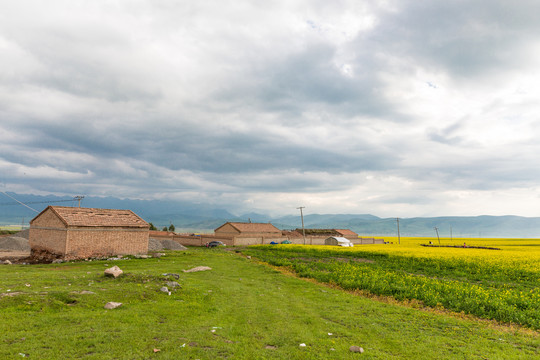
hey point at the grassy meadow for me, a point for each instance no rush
(241, 309)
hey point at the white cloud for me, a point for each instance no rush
(393, 108)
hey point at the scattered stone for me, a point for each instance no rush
(171, 274)
(270, 347)
(7, 262)
(172, 284)
(164, 289)
(302, 345)
(114, 271)
(57, 261)
(87, 292)
(198, 268)
(249, 256)
(112, 305)
(356, 349)
(157, 350)
(141, 256)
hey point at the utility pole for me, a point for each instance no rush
(398, 235)
(437, 230)
(302, 216)
(451, 233)
(78, 198)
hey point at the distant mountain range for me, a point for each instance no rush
(190, 217)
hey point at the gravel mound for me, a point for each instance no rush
(172, 245)
(14, 243)
(154, 244)
(24, 234)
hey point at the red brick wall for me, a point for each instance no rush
(89, 242)
(201, 240)
(52, 240)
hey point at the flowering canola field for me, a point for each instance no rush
(495, 284)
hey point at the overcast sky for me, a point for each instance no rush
(394, 108)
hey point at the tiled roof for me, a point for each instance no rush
(254, 227)
(73, 216)
(346, 232)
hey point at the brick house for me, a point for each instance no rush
(86, 232)
(235, 229)
(248, 233)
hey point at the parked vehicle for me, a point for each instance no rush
(214, 244)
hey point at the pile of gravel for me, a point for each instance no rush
(14, 243)
(172, 245)
(24, 234)
(154, 244)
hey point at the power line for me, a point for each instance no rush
(23, 204)
(36, 202)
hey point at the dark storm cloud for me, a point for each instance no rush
(465, 38)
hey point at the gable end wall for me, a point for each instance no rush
(227, 230)
(48, 232)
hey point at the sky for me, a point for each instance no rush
(396, 108)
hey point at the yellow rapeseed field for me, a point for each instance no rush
(516, 253)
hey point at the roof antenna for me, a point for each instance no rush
(249, 220)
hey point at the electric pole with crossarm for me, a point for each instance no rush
(302, 216)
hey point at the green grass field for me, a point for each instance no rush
(241, 309)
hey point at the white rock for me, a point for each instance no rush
(198, 268)
(114, 271)
(112, 305)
